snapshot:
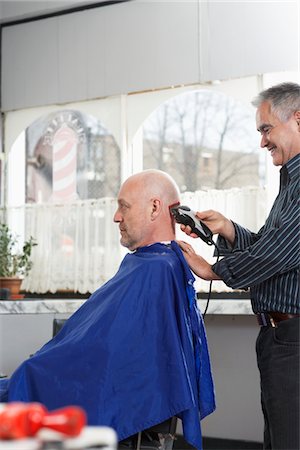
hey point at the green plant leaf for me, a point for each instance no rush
(12, 262)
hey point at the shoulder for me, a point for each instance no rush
(164, 261)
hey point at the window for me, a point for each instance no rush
(63, 179)
(205, 140)
(70, 156)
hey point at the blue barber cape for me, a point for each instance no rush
(134, 354)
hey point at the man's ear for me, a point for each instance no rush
(297, 117)
(156, 208)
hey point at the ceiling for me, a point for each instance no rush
(11, 10)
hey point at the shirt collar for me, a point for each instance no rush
(290, 170)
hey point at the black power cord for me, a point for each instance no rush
(211, 242)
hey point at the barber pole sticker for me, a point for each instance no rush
(64, 146)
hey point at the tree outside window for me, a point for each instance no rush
(205, 140)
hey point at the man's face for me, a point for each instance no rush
(280, 138)
(132, 215)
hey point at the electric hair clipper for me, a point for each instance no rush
(184, 215)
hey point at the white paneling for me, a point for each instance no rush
(130, 56)
(13, 63)
(143, 45)
(95, 53)
(177, 44)
(72, 59)
(151, 45)
(29, 64)
(251, 37)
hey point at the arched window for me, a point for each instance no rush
(70, 156)
(63, 179)
(205, 140)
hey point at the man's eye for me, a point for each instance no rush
(266, 130)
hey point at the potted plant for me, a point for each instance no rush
(14, 264)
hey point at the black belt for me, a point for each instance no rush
(270, 319)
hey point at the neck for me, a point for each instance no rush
(158, 237)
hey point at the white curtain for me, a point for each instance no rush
(78, 243)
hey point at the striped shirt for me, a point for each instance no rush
(268, 262)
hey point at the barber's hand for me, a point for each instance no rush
(187, 230)
(196, 263)
(216, 222)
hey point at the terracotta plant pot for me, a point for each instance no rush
(11, 283)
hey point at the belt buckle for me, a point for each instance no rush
(272, 322)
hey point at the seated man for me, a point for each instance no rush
(135, 353)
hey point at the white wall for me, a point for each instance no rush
(21, 335)
(143, 45)
(238, 414)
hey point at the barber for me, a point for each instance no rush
(267, 263)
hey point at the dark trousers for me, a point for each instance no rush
(278, 359)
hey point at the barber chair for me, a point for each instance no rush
(160, 436)
(57, 326)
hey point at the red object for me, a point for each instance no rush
(19, 420)
(17, 297)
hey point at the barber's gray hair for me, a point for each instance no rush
(284, 99)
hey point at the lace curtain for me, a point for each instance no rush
(78, 243)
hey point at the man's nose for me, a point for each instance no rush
(264, 141)
(117, 216)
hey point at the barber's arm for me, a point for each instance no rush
(232, 236)
(255, 257)
(258, 257)
(274, 253)
(237, 238)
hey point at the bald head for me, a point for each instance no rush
(156, 183)
(143, 209)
